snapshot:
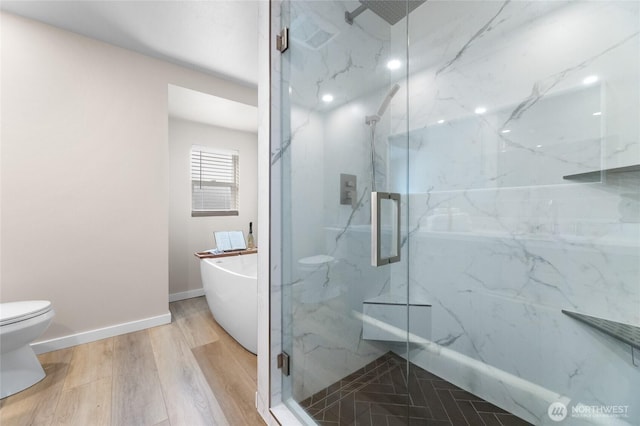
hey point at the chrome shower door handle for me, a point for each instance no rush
(385, 248)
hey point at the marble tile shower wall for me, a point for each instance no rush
(499, 241)
(325, 142)
(325, 335)
(326, 328)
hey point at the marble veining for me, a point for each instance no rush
(493, 236)
(541, 88)
(486, 27)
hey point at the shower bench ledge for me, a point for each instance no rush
(385, 318)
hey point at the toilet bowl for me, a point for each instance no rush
(20, 324)
(315, 284)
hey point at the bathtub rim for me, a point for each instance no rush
(217, 262)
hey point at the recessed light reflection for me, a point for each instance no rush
(394, 64)
(538, 146)
(480, 110)
(597, 113)
(590, 80)
(506, 131)
(440, 121)
(327, 98)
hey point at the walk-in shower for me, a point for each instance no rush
(509, 139)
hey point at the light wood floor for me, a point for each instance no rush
(189, 372)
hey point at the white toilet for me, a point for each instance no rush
(20, 324)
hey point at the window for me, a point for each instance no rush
(214, 182)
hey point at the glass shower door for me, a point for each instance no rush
(341, 315)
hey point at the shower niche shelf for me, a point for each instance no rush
(596, 175)
(627, 333)
(385, 318)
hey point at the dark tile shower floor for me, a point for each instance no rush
(378, 393)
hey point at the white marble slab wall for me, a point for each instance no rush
(499, 242)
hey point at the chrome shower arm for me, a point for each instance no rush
(350, 16)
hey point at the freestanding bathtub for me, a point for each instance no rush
(231, 289)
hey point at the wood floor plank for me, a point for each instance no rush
(136, 394)
(87, 404)
(188, 307)
(200, 304)
(188, 398)
(194, 319)
(247, 361)
(90, 362)
(37, 404)
(151, 377)
(197, 329)
(233, 388)
(175, 311)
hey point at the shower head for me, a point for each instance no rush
(383, 106)
(391, 11)
(385, 103)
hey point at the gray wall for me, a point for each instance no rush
(191, 234)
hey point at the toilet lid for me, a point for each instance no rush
(11, 312)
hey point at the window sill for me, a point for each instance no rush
(214, 213)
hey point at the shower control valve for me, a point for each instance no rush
(348, 189)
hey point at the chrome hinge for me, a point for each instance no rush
(283, 363)
(282, 40)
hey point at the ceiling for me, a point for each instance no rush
(215, 37)
(220, 37)
(191, 105)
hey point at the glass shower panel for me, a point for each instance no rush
(524, 183)
(339, 107)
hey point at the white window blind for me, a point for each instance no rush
(214, 182)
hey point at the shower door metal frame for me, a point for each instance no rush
(376, 227)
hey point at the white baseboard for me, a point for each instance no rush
(189, 294)
(99, 333)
